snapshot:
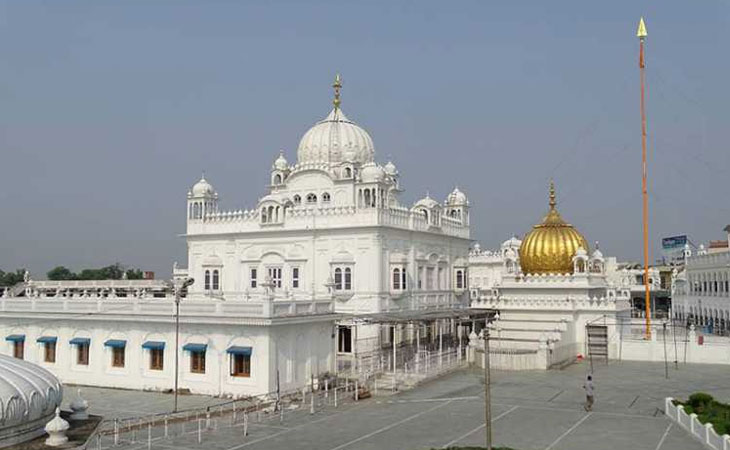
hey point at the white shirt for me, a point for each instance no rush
(588, 387)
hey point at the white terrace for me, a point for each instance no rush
(306, 218)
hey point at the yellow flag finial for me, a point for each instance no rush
(641, 31)
(337, 85)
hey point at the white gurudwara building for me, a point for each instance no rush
(330, 241)
(552, 295)
(331, 227)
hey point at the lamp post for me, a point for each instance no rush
(487, 400)
(177, 286)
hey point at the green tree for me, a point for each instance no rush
(134, 274)
(59, 273)
(12, 278)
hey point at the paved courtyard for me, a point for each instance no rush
(531, 410)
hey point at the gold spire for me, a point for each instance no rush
(641, 31)
(337, 86)
(552, 195)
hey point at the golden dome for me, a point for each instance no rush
(551, 245)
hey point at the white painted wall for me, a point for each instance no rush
(297, 349)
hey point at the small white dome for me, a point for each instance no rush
(334, 140)
(457, 198)
(281, 163)
(202, 188)
(28, 393)
(372, 173)
(512, 242)
(597, 254)
(390, 169)
(427, 202)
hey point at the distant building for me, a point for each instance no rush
(702, 292)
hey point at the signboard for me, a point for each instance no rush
(674, 242)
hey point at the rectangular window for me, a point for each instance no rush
(197, 362)
(275, 275)
(18, 349)
(82, 354)
(295, 277)
(348, 279)
(419, 274)
(254, 274)
(344, 339)
(429, 278)
(459, 279)
(240, 365)
(118, 356)
(49, 352)
(157, 357)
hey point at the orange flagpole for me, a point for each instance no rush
(641, 34)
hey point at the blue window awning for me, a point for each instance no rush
(80, 341)
(195, 347)
(235, 350)
(115, 343)
(154, 345)
(47, 339)
(16, 338)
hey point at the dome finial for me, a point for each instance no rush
(337, 85)
(552, 195)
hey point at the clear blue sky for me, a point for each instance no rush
(110, 110)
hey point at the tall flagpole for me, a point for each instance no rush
(641, 34)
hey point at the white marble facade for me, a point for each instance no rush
(331, 226)
(701, 293)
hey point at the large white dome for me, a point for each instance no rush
(334, 140)
(29, 395)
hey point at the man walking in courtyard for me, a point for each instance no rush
(588, 386)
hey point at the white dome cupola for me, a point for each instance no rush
(457, 198)
(335, 139)
(279, 170)
(390, 169)
(202, 188)
(372, 173)
(457, 206)
(202, 200)
(280, 163)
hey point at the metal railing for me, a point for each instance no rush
(235, 416)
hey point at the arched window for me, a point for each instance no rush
(348, 279)
(338, 279)
(367, 198)
(348, 172)
(216, 280)
(297, 200)
(459, 279)
(396, 279)
(326, 197)
(425, 215)
(403, 279)
(311, 198)
(207, 280)
(277, 179)
(264, 217)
